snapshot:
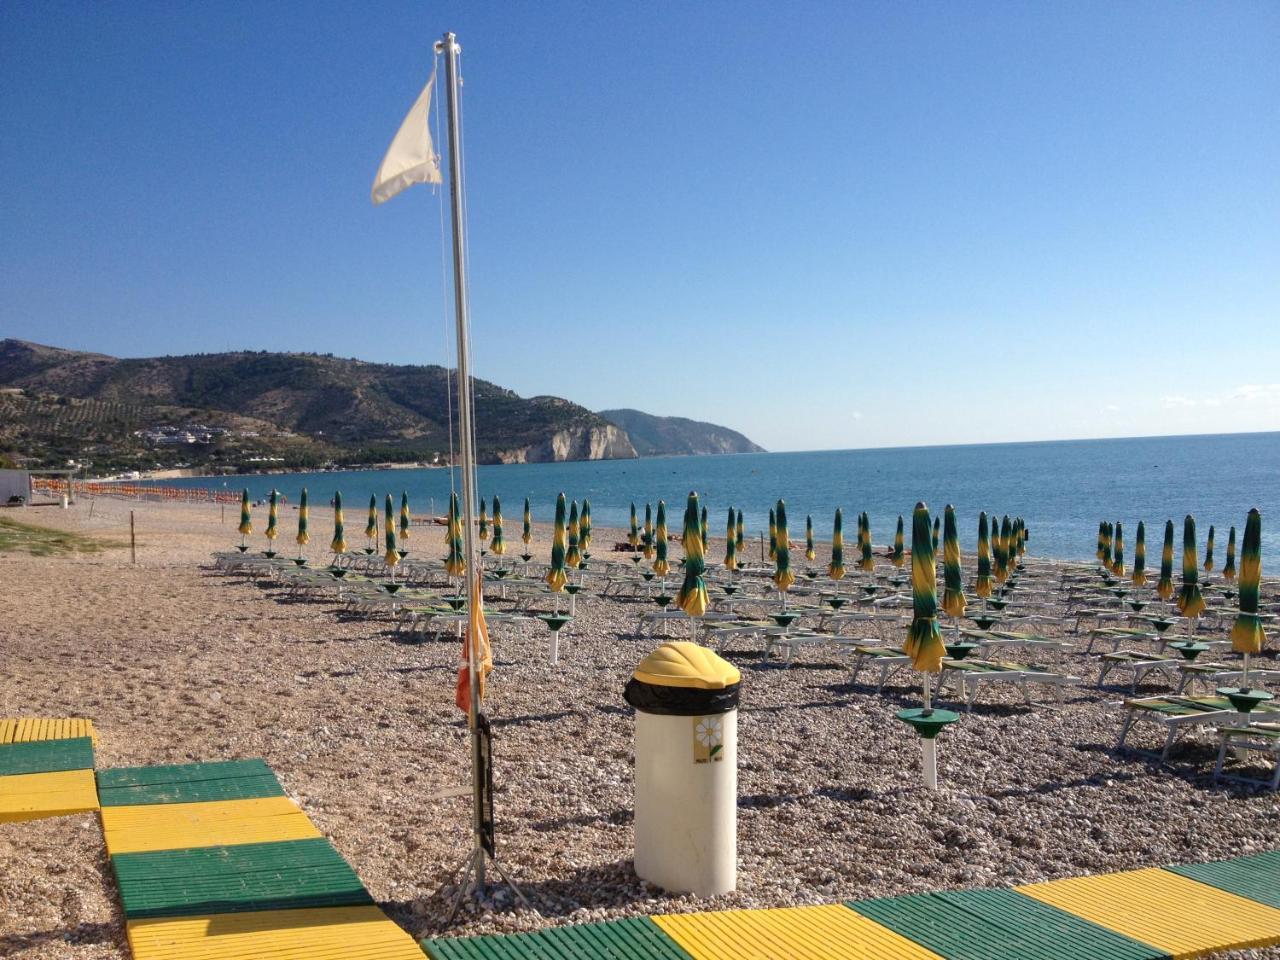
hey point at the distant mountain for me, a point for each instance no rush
(307, 408)
(658, 436)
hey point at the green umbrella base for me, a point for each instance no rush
(392, 588)
(983, 623)
(337, 572)
(456, 603)
(269, 554)
(300, 561)
(501, 573)
(1229, 594)
(1161, 625)
(784, 620)
(403, 553)
(554, 621)
(1245, 700)
(729, 589)
(811, 574)
(242, 547)
(368, 551)
(1189, 649)
(526, 557)
(958, 651)
(662, 600)
(997, 604)
(927, 724)
(648, 575)
(572, 588)
(1137, 605)
(835, 603)
(636, 559)
(871, 589)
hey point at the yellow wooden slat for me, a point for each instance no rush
(32, 796)
(830, 932)
(27, 729)
(333, 933)
(1181, 916)
(178, 826)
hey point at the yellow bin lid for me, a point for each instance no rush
(684, 664)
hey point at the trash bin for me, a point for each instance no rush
(686, 776)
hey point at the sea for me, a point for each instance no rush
(1062, 489)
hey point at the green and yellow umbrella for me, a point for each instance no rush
(924, 640)
(660, 565)
(1208, 551)
(953, 601)
(703, 521)
(338, 544)
(1190, 602)
(730, 546)
(1006, 544)
(1102, 536)
(246, 520)
(1139, 575)
(273, 518)
(1229, 568)
(997, 551)
(527, 533)
(773, 535)
(557, 576)
(633, 534)
(455, 563)
(1117, 561)
(484, 520)
(1108, 538)
(405, 519)
(392, 556)
(646, 538)
(835, 569)
(573, 555)
(497, 545)
(899, 558)
(866, 562)
(739, 533)
(1164, 586)
(303, 537)
(809, 552)
(1022, 537)
(937, 521)
(692, 598)
(371, 528)
(584, 528)
(982, 585)
(783, 577)
(1246, 633)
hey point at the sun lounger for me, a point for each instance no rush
(1176, 714)
(1139, 664)
(887, 659)
(1261, 738)
(1118, 635)
(972, 675)
(1216, 675)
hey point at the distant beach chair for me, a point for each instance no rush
(971, 675)
(1261, 738)
(1139, 665)
(1176, 715)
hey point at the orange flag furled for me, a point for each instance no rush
(479, 630)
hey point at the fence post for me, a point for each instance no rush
(133, 542)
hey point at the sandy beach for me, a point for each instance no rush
(175, 662)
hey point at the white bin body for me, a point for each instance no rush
(686, 816)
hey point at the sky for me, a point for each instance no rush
(828, 225)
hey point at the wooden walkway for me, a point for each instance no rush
(46, 768)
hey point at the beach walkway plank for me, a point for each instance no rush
(179, 826)
(636, 938)
(46, 756)
(188, 783)
(1254, 877)
(46, 767)
(27, 729)
(35, 796)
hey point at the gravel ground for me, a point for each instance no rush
(176, 663)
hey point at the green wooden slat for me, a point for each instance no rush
(999, 925)
(285, 875)
(636, 938)
(1255, 877)
(46, 756)
(187, 783)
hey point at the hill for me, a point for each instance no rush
(658, 436)
(226, 409)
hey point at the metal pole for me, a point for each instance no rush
(451, 49)
(133, 543)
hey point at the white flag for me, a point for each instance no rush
(412, 157)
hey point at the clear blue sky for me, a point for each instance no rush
(826, 224)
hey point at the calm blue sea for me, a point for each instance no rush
(1061, 488)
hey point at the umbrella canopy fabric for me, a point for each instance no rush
(809, 552)
(783, 577)
(739, 534)
(953, 601)
(646, 538)
(246, 521)
(455, 564)
(866, 562)
(937, 523)
(1164, 586)
(1006, 542)
(899, 557)
(1246, 632)
(557, 576)
(1102, 536)
(982, 586)
(527, 533)
(773, 535)
(1190, 602)
(484, 520)
(371, 527)
(692, 598)
(1117, 555)
(391, 556)
(1229, 568)
(924, 640)
(835, 569)
(406, 520)
(303, 537)
(573, 555)
(730, 545)
(339, 542)
(633, 534)
(660, 565)
(703, 529)
(497, 545)
(584, 528)
(1208, 551)
(1022, 536)
(1139, 575)
(998, 552)
(273, 516)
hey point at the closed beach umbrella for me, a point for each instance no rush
(739, 534)
(936, 522)
(527, 534)
(1229, 568)
(1164, 586)
(692, 598)
(391, 557)
(809, 552)
(953, 601)
(773, 535)
(405, 519)
(1139, 575)
(1006, 544)
(1022, 537)
(1208, 551)
(783, 578)
(497, 545)
(584, 528)
(573, 555)
(1246, 633)
(835, 569)
(455, 564)
(303, 537)
(1117, 562)
(899, 557)
(1190, 602)
(484, 520)
(924, 639)
(1108, 534)
(982, 585)
(246, 520)
(646, 538)
(633, 534)
(557, 576)
(703, 528)
(1102, 536)
(997, 551)
(867, 562)
(730, 545)
(371, 527)
(273, 518)
(660, 565)
(339, 542)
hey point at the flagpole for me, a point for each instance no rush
(451, 48)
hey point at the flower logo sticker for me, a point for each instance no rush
(708, 739)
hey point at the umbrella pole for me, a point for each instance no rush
(1244, 677)
(928, 745)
